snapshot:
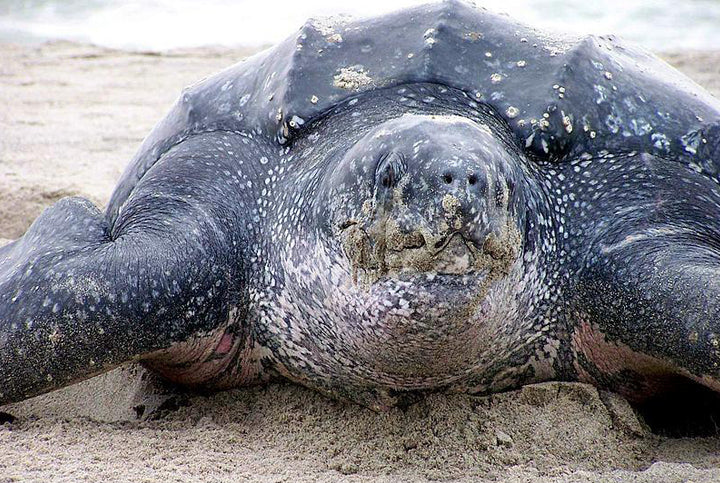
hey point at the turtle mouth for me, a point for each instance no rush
(381, 251)
(451, 255)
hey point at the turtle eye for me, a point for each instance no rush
(389, 170)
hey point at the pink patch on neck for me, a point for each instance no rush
(225, 344)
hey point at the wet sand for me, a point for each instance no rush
(72, 116)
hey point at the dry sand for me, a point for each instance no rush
(71, 117)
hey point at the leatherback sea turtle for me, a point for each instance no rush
(439, 199)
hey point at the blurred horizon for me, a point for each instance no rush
(157, 25)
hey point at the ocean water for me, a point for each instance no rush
(660, 25)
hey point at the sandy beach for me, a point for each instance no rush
(72, 116)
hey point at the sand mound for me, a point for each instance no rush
(546, 428)
(127, 423)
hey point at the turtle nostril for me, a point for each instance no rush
(472, 179)
(447, 178)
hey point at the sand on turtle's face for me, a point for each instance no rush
(72, 117)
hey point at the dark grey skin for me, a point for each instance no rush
(439, 199)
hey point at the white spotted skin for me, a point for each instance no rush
(638, 247)
(399, 334)
(407, 332)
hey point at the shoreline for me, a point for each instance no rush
(73, 116)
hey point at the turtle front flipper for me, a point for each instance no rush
(646, 308)
(164, 284)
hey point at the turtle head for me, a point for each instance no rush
(424, 194)
(420, 262)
